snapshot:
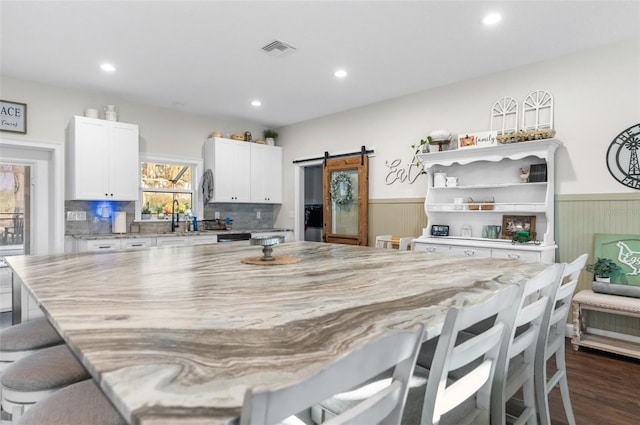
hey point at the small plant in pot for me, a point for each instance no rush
(603, 269)
(270, 136)
(146, 212)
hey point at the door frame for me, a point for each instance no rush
(47, 178)
(298, 189)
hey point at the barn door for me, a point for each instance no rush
(346, 198)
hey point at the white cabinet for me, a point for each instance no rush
(244, 172)
(266, 174)
(102, 160)
(204, 239)
(230, 162)
(490, 174)
(97, 245)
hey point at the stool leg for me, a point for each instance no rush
(564, 387)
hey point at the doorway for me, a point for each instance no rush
(313, 203)
(41, 230)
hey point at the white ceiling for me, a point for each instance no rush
(205, 57)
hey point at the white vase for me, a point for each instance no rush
(271, 141)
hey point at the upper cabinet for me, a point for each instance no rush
(266, 174)
(230, 162)
(484, 195)
(244, 172)
(102, 160)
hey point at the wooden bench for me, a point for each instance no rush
(613, 342)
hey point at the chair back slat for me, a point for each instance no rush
(397, 351)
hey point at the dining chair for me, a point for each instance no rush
(476, 355)
(435, 397)
(82, 403)
(405, 243)
(551, 342)
(38, 375)
(381, 241)
(396, 351)
(515, 368)
(20, 340)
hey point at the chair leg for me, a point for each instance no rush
(564, 386)
(540, 379)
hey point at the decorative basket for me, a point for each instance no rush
(480, 205)
(239, 137)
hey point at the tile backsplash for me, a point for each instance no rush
(244, 217)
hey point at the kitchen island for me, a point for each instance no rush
(177, 334)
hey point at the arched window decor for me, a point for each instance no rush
(504, 116)
(537, 111)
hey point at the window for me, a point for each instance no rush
(163, 180)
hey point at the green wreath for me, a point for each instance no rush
(341, 190)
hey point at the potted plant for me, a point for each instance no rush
(603, 269)
(146, 212)
(270, 136)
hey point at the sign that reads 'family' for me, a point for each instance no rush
(477, 140)
(13, 117)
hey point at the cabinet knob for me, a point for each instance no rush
(514, 256)
(430, 249)
(470, 252)
(106, 195)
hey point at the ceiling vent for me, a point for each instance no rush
(278, 48)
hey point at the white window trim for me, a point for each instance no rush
(196, 173)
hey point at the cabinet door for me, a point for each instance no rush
(204, 240)
(98, 245)
(242, 170)
(514, 254)
(266, 174)
(123, 162)
(231, 167)
(88, 154)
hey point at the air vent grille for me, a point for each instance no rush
(278, 48)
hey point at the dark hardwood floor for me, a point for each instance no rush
(605, 389)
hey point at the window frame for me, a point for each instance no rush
(196, 173)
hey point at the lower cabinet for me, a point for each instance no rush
(530, 253)
(97, 245)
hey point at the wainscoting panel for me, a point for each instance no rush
(578, 218)
(397, 217)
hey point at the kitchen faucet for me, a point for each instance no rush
(175, 222)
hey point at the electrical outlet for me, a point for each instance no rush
(216, 215)
(76, 215)
(258, 215)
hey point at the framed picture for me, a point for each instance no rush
(13, 117)
(512, 224)
(537, 173)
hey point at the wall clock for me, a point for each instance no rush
(622, 157)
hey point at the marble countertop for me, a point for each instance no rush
(177, 334)
(174, 234)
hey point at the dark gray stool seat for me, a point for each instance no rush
(81, 403)
(39, 375)
(21, 340)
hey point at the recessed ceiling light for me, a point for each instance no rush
(107, 67)
(341, 73)
(491, 19)
(256, 103)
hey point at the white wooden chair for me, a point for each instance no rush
(381, 241)
(517, 357)
(405, 243)
(551, 342)
(396, 350)
(479, 351)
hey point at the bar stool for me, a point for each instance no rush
(37, 376)
(25, 338)
(81, 403)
